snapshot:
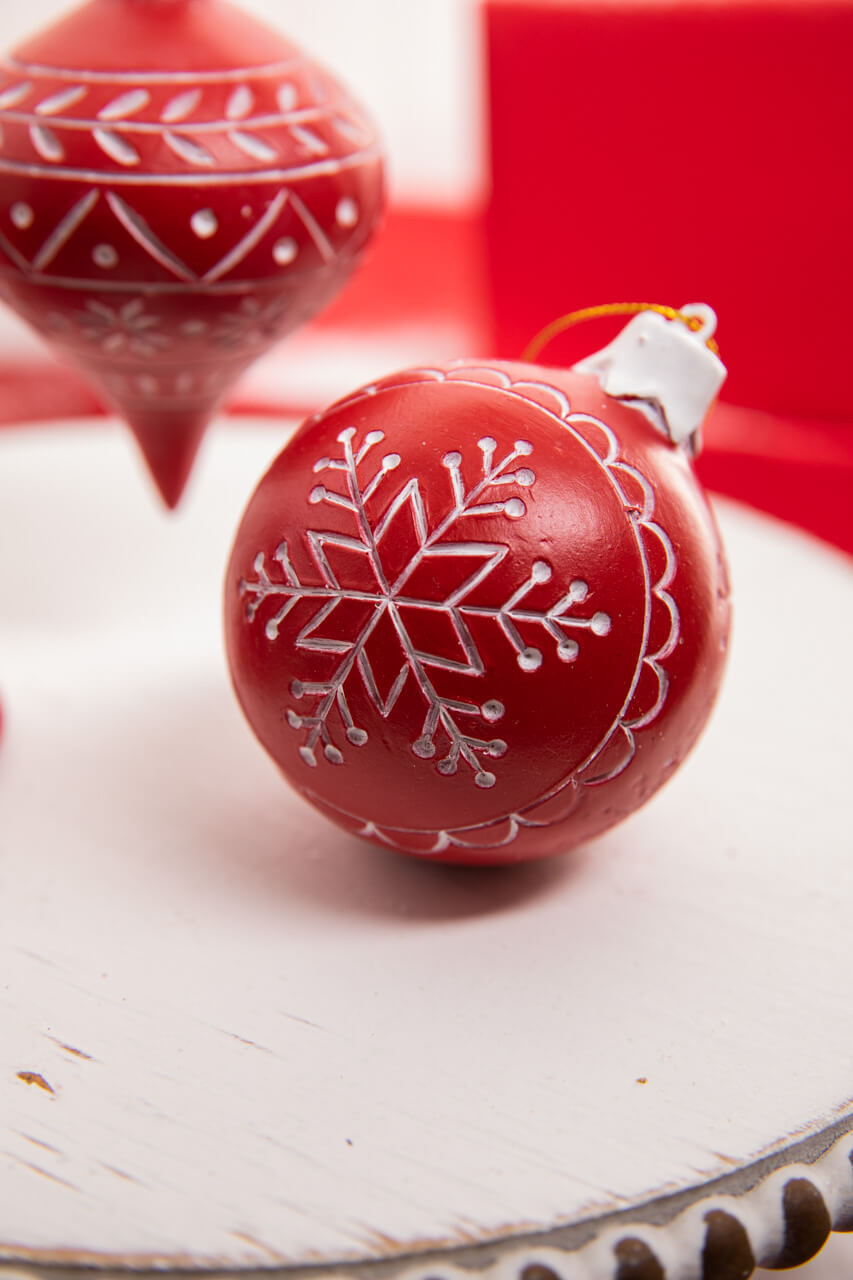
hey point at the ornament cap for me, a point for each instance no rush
(665, 368)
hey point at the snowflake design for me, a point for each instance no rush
(444, 716)
(126, 328)
(254, 323)
(54, 321)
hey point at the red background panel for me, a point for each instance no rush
(672, 152)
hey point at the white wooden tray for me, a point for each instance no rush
(232, 1037)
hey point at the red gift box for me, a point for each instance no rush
(681, 150)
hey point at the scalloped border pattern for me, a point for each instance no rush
(776, 1212)
(616, 749)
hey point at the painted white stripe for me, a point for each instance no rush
(310, 140)
(188, 150)
(240, 103)
(58, 102)
(116, 147)
(222, 288)
(181, 106)
(18, 258)
(252, 146)
(349, 129)
(137, 227)
(287, 96)
(65, 230)
(313, 228)
(309, 115)
(249, 241)
(127, 104)
(14, 94)
(235, 75)
(238, 177)
(46, 143)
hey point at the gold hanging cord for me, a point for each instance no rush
(556, 327)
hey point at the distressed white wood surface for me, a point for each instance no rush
(252, 1040)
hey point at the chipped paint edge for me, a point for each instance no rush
(775, 1212)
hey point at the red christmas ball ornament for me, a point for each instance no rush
(479, 612)
(179, 188)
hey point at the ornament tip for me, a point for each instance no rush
(169, 446)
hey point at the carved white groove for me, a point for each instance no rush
(14, 95)
(349, 129)
(287, 96)
(253, 323)
(233, 75)
(204, 224)
(389, 598)
(181, 106)
(240, 103)
(46, 143)
(312, 226)
(127, 328)
(245, 246)
(117, 122)
(154, 128)
(224, 178)
(619, 739)
(61, 101)
(116, 146)
(65, 230)
(253, 146)
(311, 141)
(14, 255)
(127, 104)
(139, 229)
(191, 152)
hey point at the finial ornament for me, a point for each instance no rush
(179, 188)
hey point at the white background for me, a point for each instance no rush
(414, 63)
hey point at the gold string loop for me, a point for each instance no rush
(535, 347)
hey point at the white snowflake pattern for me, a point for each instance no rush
(252, 324)
(444, 715)
(123, 329)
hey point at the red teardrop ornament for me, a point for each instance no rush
(479, 613)
(179, 187)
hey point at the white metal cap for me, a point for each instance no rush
(666, 370)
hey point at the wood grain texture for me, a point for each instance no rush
(266, 1045)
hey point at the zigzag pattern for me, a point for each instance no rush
(203, 223)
